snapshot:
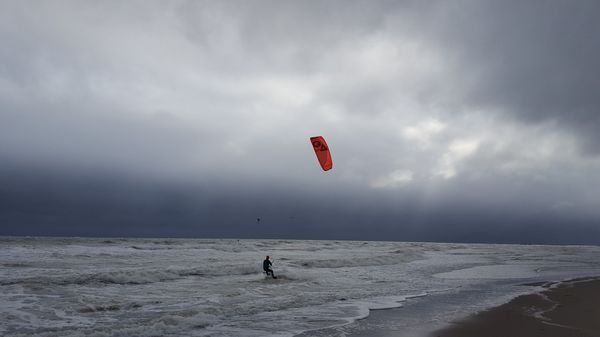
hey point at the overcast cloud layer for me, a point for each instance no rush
(448, 120)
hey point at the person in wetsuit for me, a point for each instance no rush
(267, 267)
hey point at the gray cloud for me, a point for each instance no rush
(468, 121)
(534, 60)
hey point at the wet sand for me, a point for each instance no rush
(565, 309)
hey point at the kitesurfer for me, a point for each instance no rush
(267, 267)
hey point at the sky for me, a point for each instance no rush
(461, 121)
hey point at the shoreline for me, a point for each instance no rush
(563, 308)
(540, 308)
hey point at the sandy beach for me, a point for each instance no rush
(569, 308)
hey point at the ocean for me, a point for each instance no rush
(206, 287)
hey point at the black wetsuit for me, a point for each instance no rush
(267, 268)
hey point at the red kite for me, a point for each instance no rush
(322, 152)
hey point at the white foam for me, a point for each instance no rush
(501, 271)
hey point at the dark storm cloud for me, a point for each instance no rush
(115, 206)
(449, 121)
(537, 60)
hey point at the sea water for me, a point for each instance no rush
(187, 287)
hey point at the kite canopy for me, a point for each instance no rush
(322, 152)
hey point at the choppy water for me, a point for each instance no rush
(172, 287)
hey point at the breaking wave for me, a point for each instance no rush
(131, 277)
